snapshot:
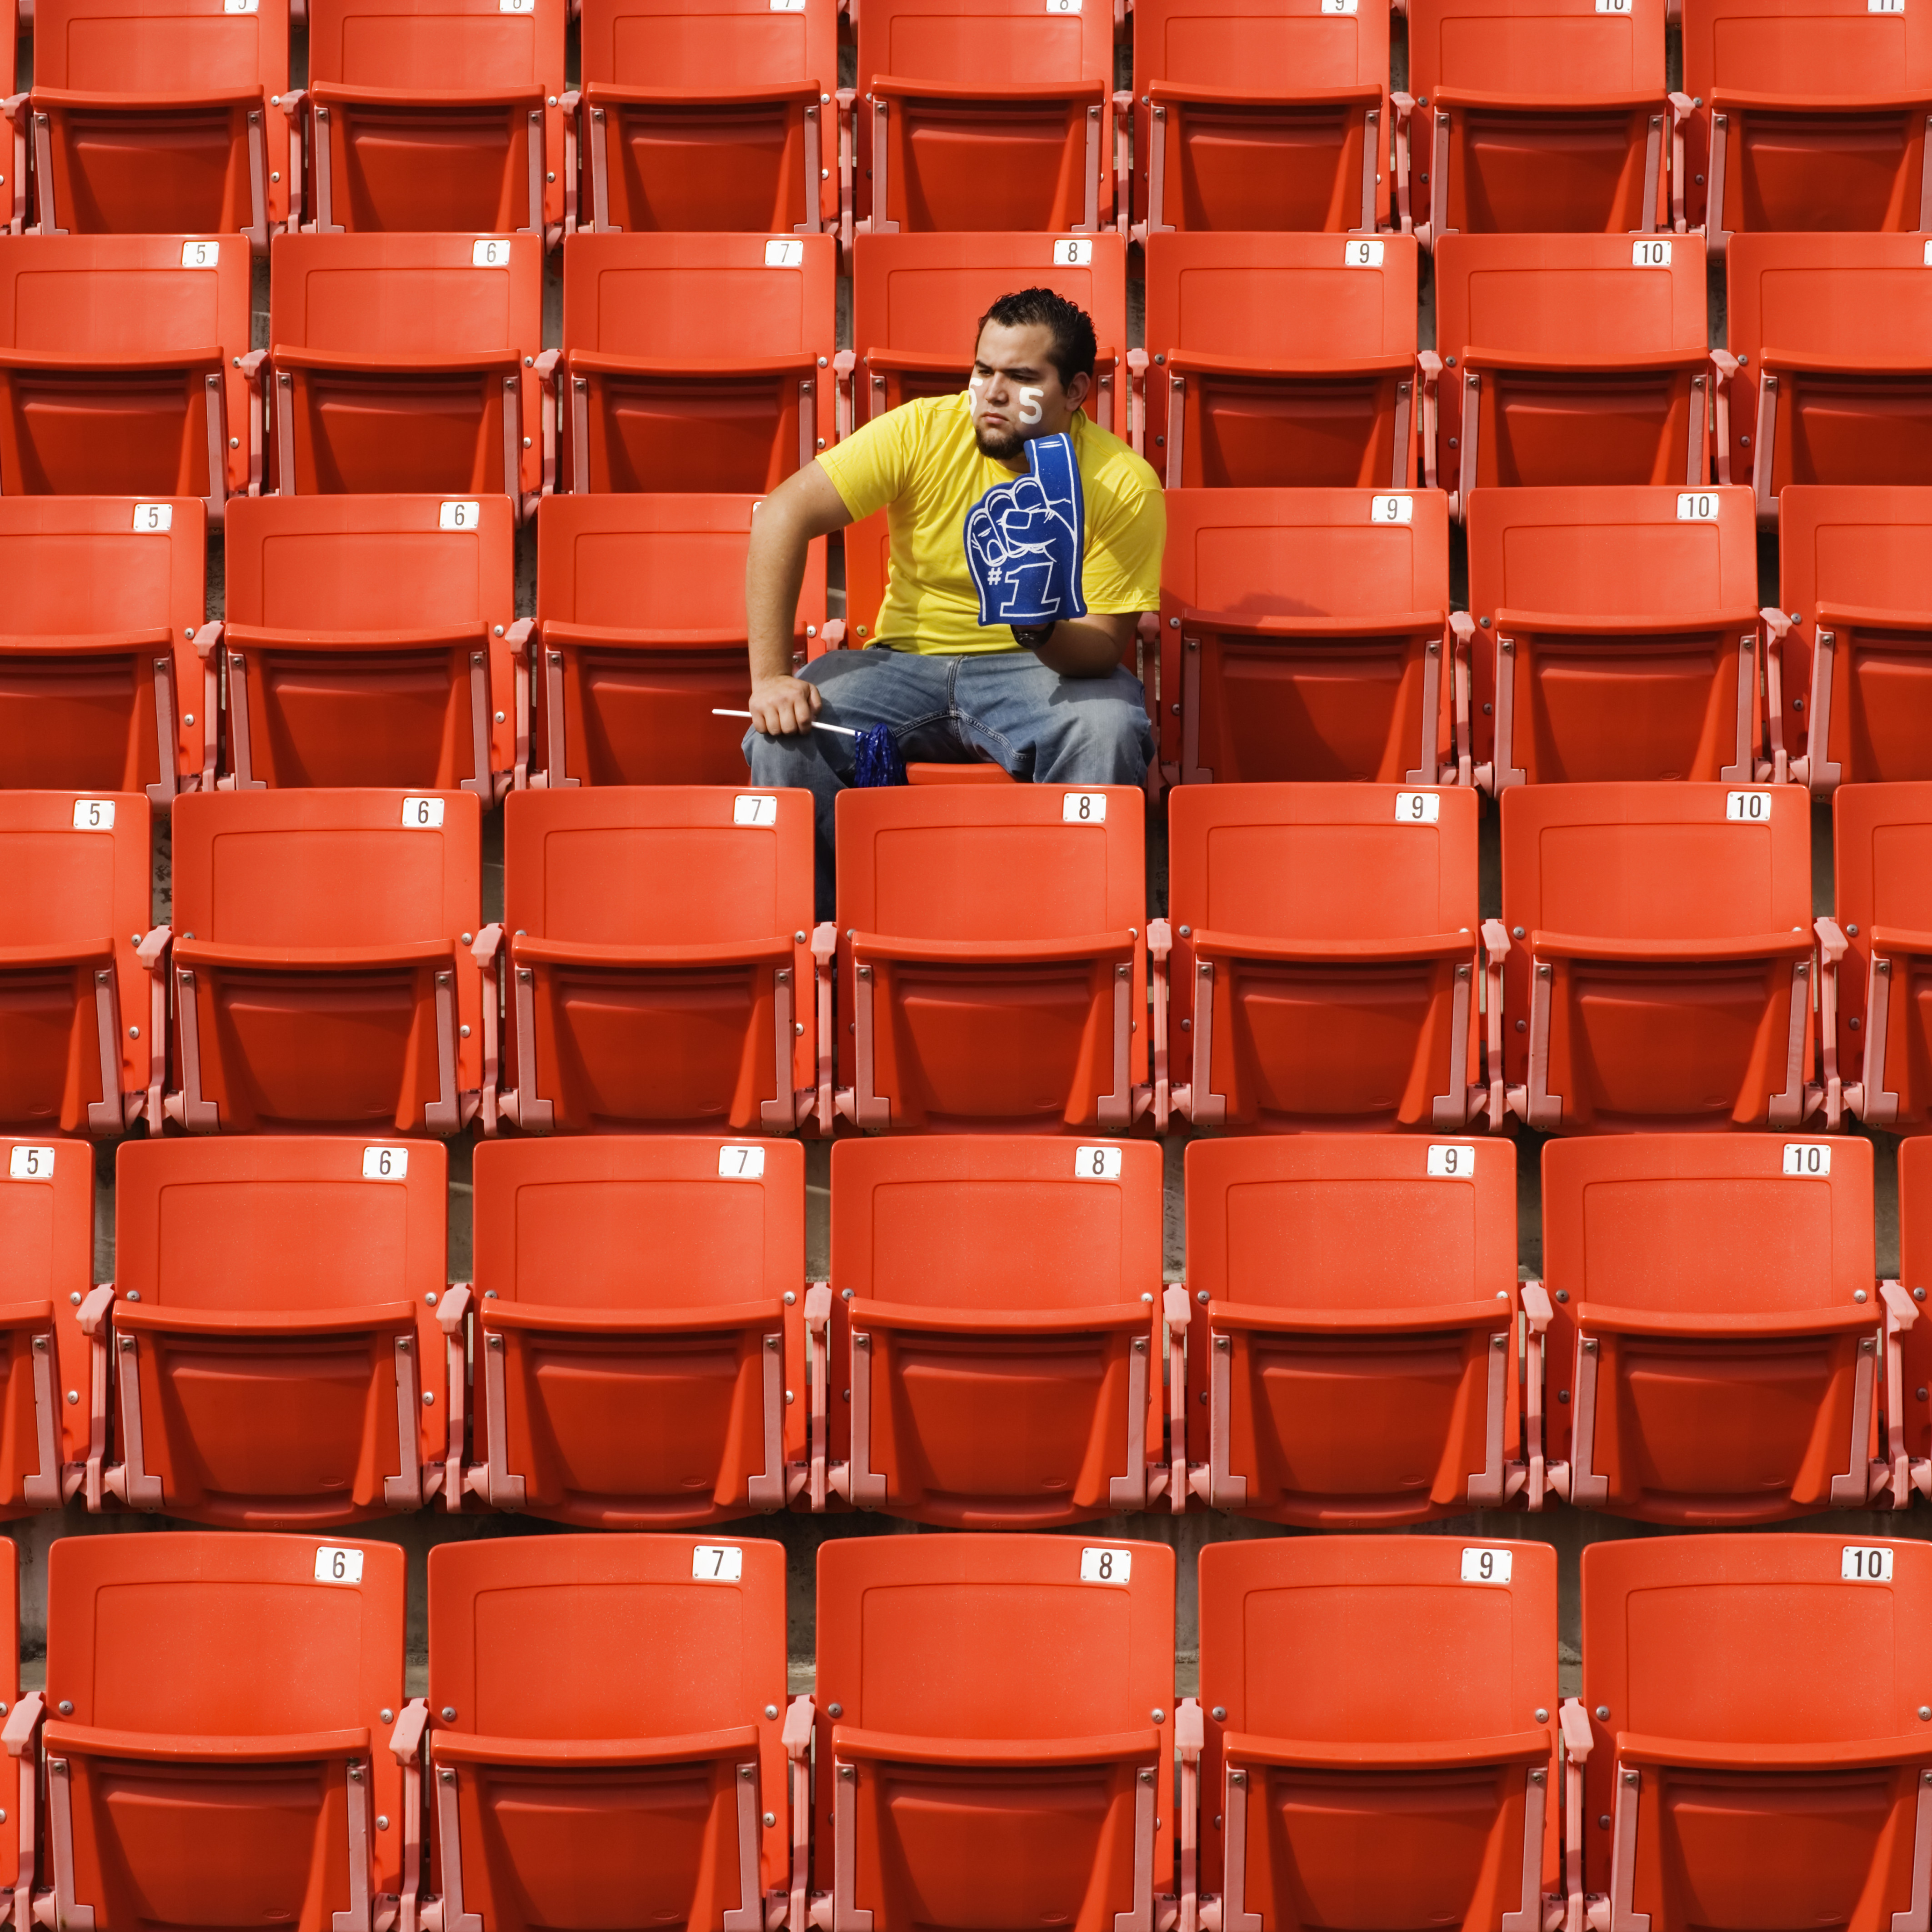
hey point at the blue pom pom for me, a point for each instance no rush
(876, 760)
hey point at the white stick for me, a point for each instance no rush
(844, 731)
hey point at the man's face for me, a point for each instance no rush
(1016, 390)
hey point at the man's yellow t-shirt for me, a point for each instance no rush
(921, 464)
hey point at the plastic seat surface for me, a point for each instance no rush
(1915, 1273)
(1356, 1361)
(1764, 1755)
(1325, 943)
(622, 1387)
(658, 958)
(277, 1358)
(1022, 1778)
(1304, 635)
(1391, 1708)
(323, 977)
(1617, 634)
(99, 680)
(1281, 360)
(624, 1782)
(222, 1740)
(1662, 977)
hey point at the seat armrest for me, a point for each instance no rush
(23, 1721)
(818, 1375)
(800, 1714)
(1160, 948)
(405, 1740)
(1832, 947)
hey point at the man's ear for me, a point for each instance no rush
(1077, 389)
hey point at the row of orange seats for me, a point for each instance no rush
(281, 1346)
(993, 1737)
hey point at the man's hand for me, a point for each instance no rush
(781, 706)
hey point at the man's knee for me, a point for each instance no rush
(793, 759)
(1100, 740)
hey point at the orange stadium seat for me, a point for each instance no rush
(1909, 1413)
(1750, 1726)
(1830, 368)
(321, 967)
(217, 1730)
(1811, 114)
(99, 685)
(435, 115)
(1877, 1017)
(1569, 358)
(696, 362)
(1305, 633)
(1354, 1361)
(1623, 624)
(650, 1773)
(656, 945)
(622, 1385)
(996, 118)
(1308, 147)
(1325, 959)
(720, 119)
(83, 1005)
(1005, 1332)
(639, 634)
(52, 1337)
(405, 363)
(120, 367)
(1535, 117)
(995, 1730)
(18, 1859)
(992, 954)
(1281, 360)
(1714, 1338)
(163, 118)
(1381, 1744)
(1851, 652)
(1659, 963)
(278, 1361)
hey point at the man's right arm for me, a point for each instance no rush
(806, 505)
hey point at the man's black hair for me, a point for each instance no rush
(1074, 349)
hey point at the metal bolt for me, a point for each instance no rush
(1563, 1294)
(744, 1772)
(73, 1397)
(1858, 1294)
(1542, 1717)
(449, 1714)
(835, 1710)
(381, 1821)
(1159, 1716)
(1604, 1822)
(388, 1716)
(1200, 1295)
(75, 1297)
(1220, 1714)
(1602, 1711)
(429, 1398)
(65, 1708)
(771, 1710)
(771, 1819)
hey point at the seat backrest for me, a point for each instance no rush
(437, 46)
(1882, 863)
(1824, 296)
(1350, 1221)
(1914, 1213)
(1532, 51)
(136, 47)
(557, 1222)
(80, 566)
(991, 43)
(1805, 50)
(1007, 1222)
(1212, 44)
(727, 44)
(326, 868)
(46, 1221)
(1861, 545)
(115, 296)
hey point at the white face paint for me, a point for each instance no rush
(1030, 409)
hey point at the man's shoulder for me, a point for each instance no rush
(1109, 463)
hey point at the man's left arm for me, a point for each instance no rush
(1126, 529)
(1089, 646)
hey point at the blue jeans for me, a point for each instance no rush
(1004, 706)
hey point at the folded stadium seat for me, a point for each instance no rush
(623, 1782)
(656, 944)
(997, 117)
(995, 1733)
(991, 948)
(1305, 633)
(1406, 1778)
(83, 999)
(1715, 1346)
(1535, 117)
(1877, 1021)
(917, 302)
(323, 973)
(121, 370)
(1326, 955)
(1829, 375)
(1912, 1433)
(1658, 964)
(1568, 359)
(625, 1386)
(1622, 625)
(1750, 1726)
(1850, 660)
(1354, 1362)
(149, 119)
(363, 639)
(17, 1867)
(1809, 115)
(1003, 1329)
(100, 686)
(221, 1730)
(1281, 360)
(277, 1360)
(717, 120)
(407, 363)
(1226, 140)
(435, 115)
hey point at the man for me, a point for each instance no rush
(1005, 505)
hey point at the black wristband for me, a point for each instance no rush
(1032, 635)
